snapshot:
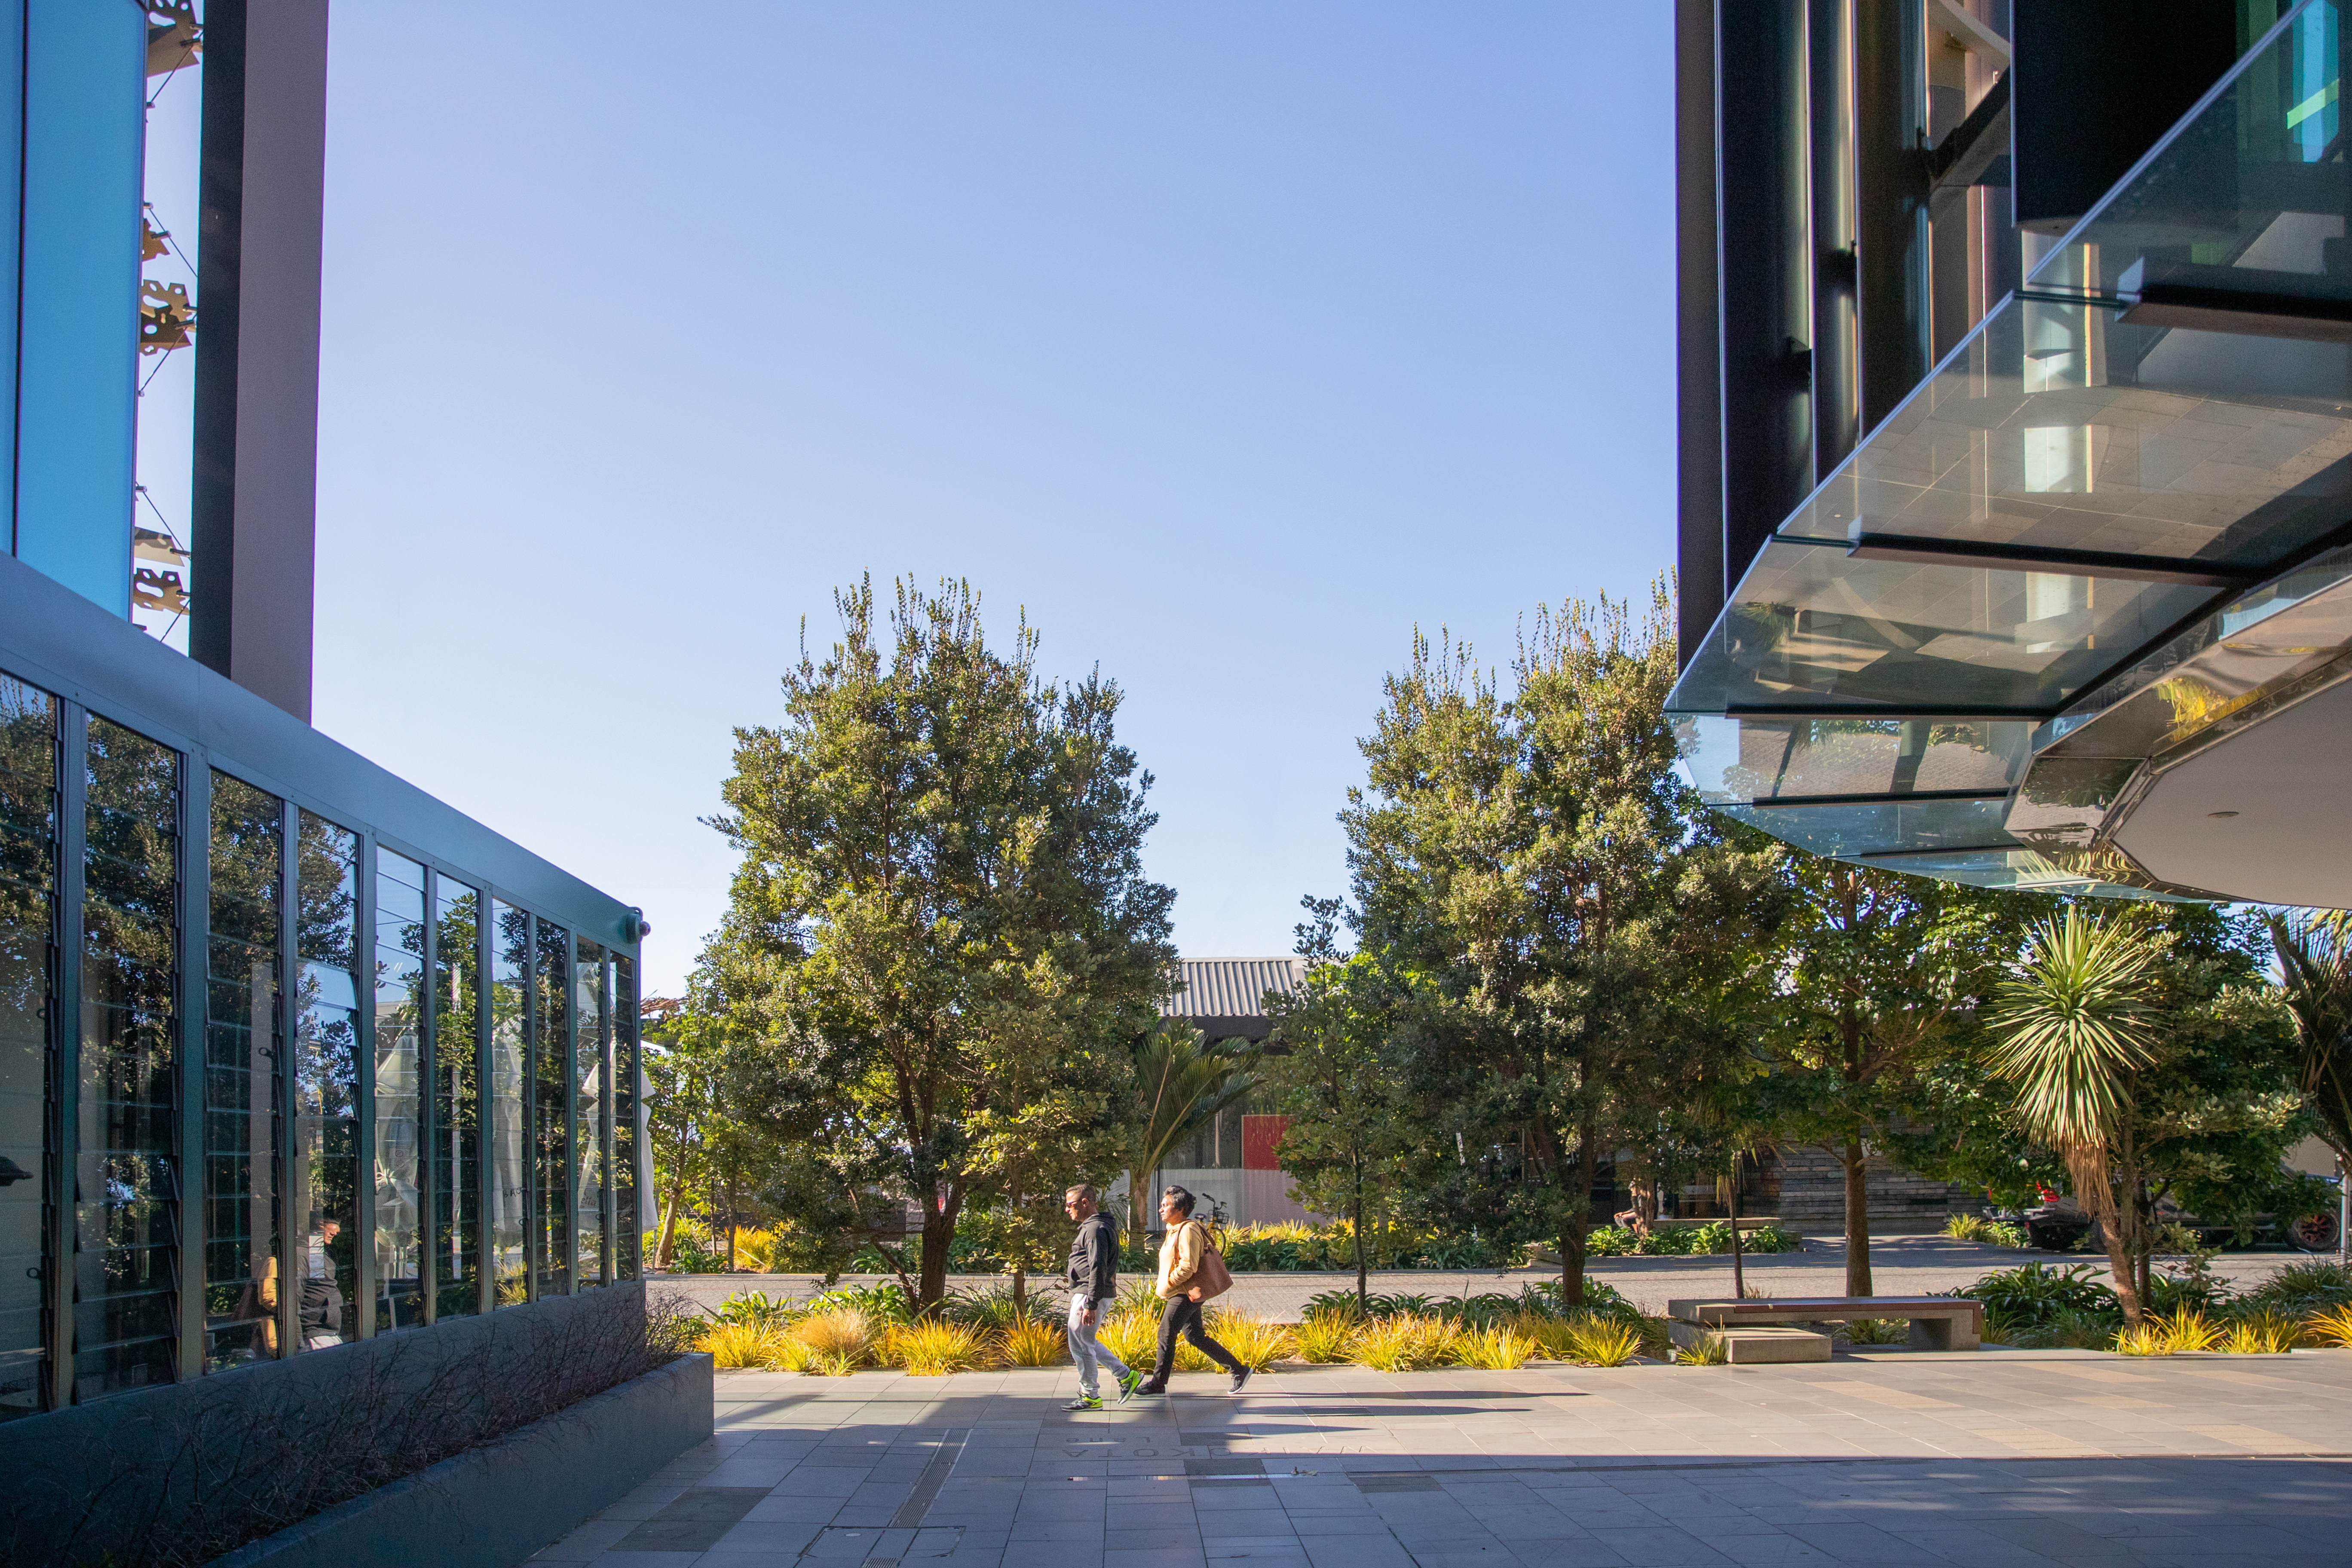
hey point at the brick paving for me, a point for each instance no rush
(1884, 1456)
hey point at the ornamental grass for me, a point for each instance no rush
(742, 1345)
(2142, 1339)
(1708, 1349)
(1327, 1337)
(1131, 1335)
(2187, 1328)
(1597, 1341)
(1498, 1347)
(2261, 1333)
(843, 1334)
(933, 1348)
(1254, 1342)
(1029, 1342)
(1405, 1343)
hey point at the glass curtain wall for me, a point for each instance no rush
(326, 1081)
(629, 1225)
(399, 1107)
(509, 1019)
(552, 1104)
(28, 915)
(244, 1271)
(127, 1184)
(593, 1118)
(456, 1099)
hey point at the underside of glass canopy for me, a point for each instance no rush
(2078, 614)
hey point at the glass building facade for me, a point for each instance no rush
(290, 1053)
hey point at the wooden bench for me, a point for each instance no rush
(1938, 1322)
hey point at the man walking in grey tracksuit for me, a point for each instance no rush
(1094, 1282)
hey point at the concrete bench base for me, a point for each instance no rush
(1938, 1322)
(1746, 1346)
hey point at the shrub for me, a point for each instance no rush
(1985, 1232)
(841, 1332)
(1256, 1343)
(1687, 1240)
(2147, 1339)
(992, 1307)
(1708, 1349)
(1140, 1296)
(935, 1348)
(754, 1308)
(2024, 1299)
(878, 1304)
(1031, 1342)
(1332, 1303)
(1599, 1297)
(1497, 1347)
(1403, 1342)
(1657, 1337)
(2299, 1289)
(2069, 1328)
(1327, 1337)
(2331, 1327)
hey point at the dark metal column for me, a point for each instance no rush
(256, 421)
(1765, 265)
(293, 1220)
(1837, 407)
(363, 1193)
(1698, 368)
(534, 1219)
(429, 1122)
(484, 1105)
(58, 1288)
(1891, 202)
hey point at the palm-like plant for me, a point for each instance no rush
(1182, 1082)
(2315, 955)
(2072, 1023)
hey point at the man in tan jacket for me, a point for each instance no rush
(1180, 1260)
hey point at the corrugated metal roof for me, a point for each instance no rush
(1232, 987)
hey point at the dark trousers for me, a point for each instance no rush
(1182, 1317)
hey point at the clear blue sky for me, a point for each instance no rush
(1231, 341)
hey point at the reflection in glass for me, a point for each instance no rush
(551, 1106)
(510, 982)
(628, 1236)
(399, 1026)
(126, 1176)
(29, 858)
(593, 1119)
(456, 1101)
(244, 1273)
(326, 1081)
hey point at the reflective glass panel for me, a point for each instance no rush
(326, 1081)
(628, 1224)
(127, 1183)
(509, 988)
(551, 1105)
(593, 1117)
(29, 861)
(1748, 758)
(244, 1273)
(456, 1101)
(1810, 624)
(1849, 832)
(399, 1028)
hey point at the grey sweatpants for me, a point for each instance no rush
(1086, 1349)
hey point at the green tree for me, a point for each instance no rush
(2315, 957)
(1351, 1143)
(1182, 1082)
(1883, 974)
(940, 942)
(1533, 861)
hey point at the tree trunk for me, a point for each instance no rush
(939, 1231)
(1580, 1215)
(1857, 1218)
(2088, 1169)
(668, 1242)
(1362, 1285)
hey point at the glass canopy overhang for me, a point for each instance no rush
(2114, 525)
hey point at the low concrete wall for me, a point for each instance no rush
(492, 1506)
(179, 1473)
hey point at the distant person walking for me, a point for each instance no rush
(1094, 1282)
(1179, 1268)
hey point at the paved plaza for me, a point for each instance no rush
(1884, 1457)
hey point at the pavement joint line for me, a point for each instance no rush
(912, 1512)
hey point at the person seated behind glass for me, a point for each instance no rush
(322, 1304)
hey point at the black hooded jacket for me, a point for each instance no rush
(1094, 1258)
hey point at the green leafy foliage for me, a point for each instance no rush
(1689, 1240)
